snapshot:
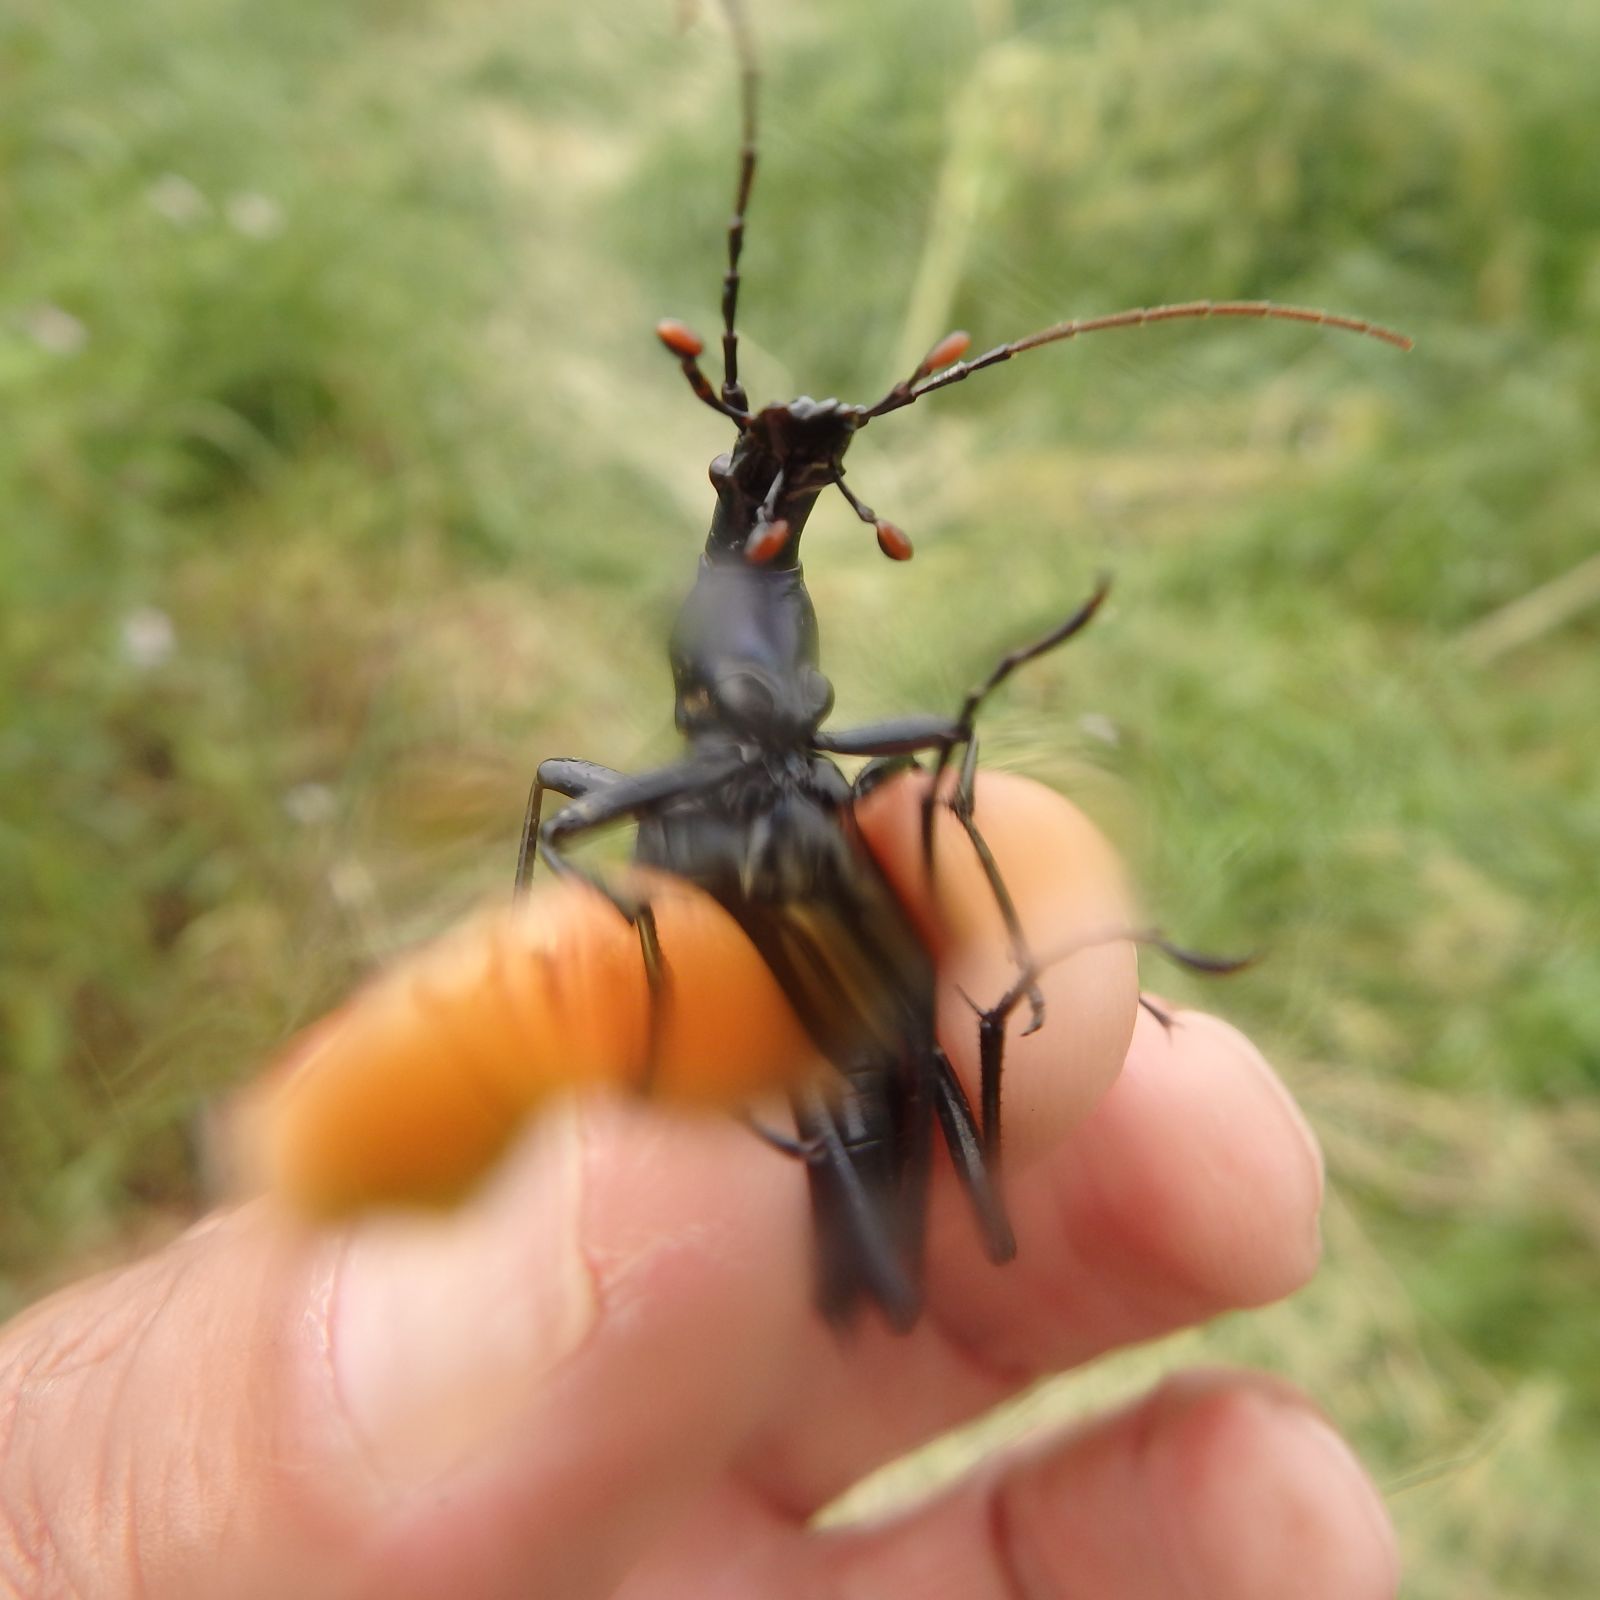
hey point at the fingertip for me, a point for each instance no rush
(1202, 1035)
(1211, 1176)
(1216, 1484)
(1252, 1487)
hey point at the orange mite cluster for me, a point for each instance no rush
(413, 1087)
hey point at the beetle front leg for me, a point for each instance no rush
(562, 775)
(603, 797)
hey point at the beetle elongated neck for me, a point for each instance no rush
(744, 657)
(739, 511)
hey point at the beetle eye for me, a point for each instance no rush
(819, 694)
(746, 698)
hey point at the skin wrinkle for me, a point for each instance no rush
(322, 1314)
(799, 1508)
(1064, 1299)
(114, 1496)
(1166, 1405)
(1145, 1305)
(1179, 1576)
(124, 1398)
(619, 1277)
(1006, 1542)
(117, 1508)
(303, 1432)
(83, 1351)
(24, 1529)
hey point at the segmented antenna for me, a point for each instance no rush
(733, 394)
(1152, 938)
(925, 381)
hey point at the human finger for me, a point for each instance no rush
(1192, 1189)
(1218, 1486)
(516, 1398)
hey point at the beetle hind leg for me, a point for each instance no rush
(859, 1215)
(976, 1156)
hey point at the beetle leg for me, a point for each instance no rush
(563, 776)
(857, 1223)
(877, 771)
(1160, 1013)
(658, 982)
(892, 744)
(807, 1150)
(967, 716)
(977, 1158)
(607, 802)
(961, 806)
(993, 1019)
(602, 796)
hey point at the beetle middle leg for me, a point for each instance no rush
(891, 745)
(605, 796)
(960, 806)
(965, 721)
(894, 745)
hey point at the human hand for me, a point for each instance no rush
(603, 1377)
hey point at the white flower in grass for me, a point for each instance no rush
(256, 216)
(309, 804)
(55, 330)
(147, 637)
(1097, 725)
(174, 197)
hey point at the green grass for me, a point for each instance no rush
(324, 335)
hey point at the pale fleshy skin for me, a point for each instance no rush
(602, 1376)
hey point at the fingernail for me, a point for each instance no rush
(1347, 1480)
(1294, 1119)
(1256, 1489)
(444, 1329)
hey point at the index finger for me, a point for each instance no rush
(1167, 1181)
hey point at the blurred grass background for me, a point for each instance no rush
(342, 480)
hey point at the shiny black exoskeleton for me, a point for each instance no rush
(758, 814)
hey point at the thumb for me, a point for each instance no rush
(513, 1398)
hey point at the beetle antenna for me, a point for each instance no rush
(925, 380)
(686, 345)
(891, 539)
(1150, 938)
(733, 394)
